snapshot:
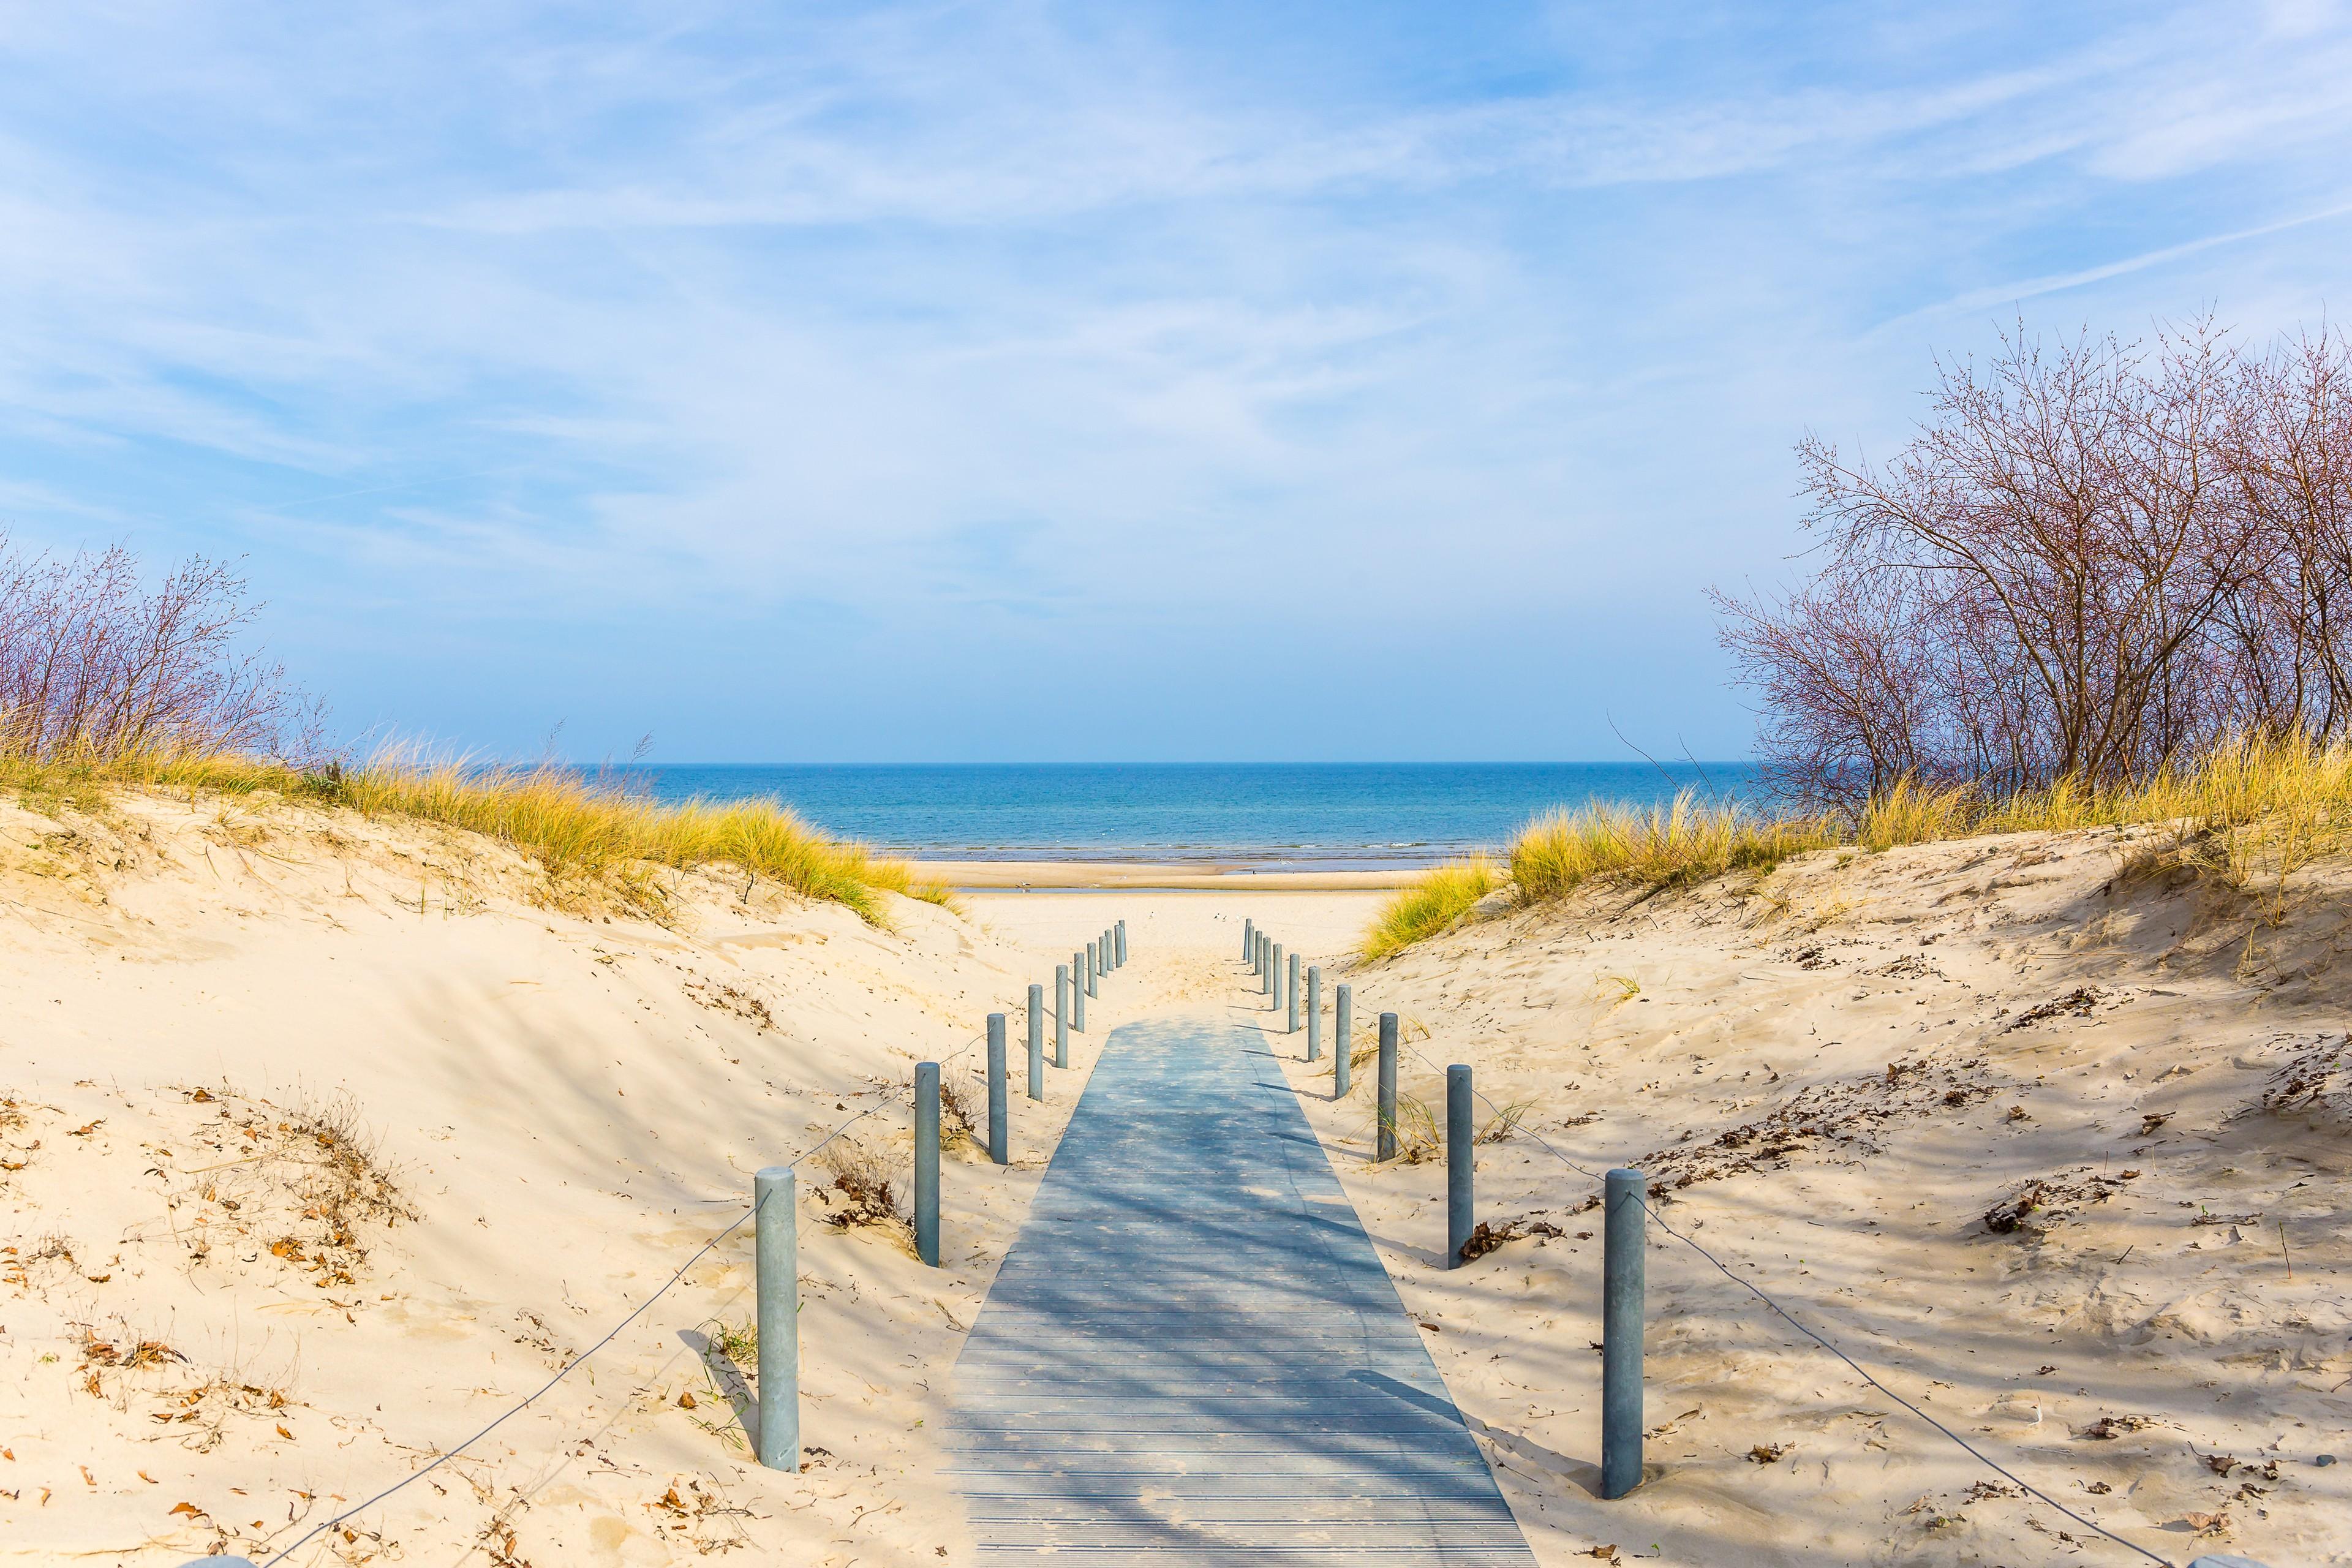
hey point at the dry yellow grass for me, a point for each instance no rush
(2257, 808)
(1657, 847)
(2248, 814)
(1434, 903)
(588, 839)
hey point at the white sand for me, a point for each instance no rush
(569, 1108)
(1241, 880)
(1866, 1014)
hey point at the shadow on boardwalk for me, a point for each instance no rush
(1193, 1350)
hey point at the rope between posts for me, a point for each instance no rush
(1791, 1320)
(749, 1210)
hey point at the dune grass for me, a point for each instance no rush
(587, 836)
(1434, 903)
(1667, 845)
(2253, 811)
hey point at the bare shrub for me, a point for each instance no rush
(861, 1192)
(97, 666)
(957, 1120)
(304, 1179)
(2088, 564)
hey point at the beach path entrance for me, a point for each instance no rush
(1192, 1354)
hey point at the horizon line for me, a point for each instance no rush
(1339, 763)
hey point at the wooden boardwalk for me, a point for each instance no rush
(1192, 1354)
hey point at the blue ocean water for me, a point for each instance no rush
(1320, 814)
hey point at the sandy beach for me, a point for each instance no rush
(592, 598)
(327, 1142)
(1237, 878)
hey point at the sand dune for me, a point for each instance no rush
(327, 1141)
(324, 1145)
(1833, 1079)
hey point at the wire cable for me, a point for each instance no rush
(569, 1367)
(1791, 1320)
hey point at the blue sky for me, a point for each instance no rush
(1014, 382)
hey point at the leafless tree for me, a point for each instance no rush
(95, 665)
(2087, 561)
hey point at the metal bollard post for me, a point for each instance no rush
(1093, 958)
(1292, 1027)
(1249, 942)
(776, 1265)
(927, 1163)
(1275, 968)
(1036, 1042)
(1343, 1041)
(1120, 931)
(1108, 964)
(1061, 1015)
(1624, 1211)
(1314, 1011)
(999, 1138)
(1386, 1148)
(1264, 965)
(1078, 992)
(1461, 1162)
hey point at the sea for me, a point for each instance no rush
(1297, 816)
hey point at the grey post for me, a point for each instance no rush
(1386, 1148)
(1036, 1042)
(1249, 942)
(1292, 1027)
(1061, 1015)
(1093, 978)
(1078, 992)
(1108, 964)
(776, 1266)
(1343, 1040)
(1000, 1137)
(1264, 965)
(1461, 1162)
(927, 1163)
(1314, 1011)
(1274, 969)
(1120, 931)
(1625, 1209)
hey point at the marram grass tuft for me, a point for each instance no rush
(1657, 847)
(1434, 901)
(2247, 814)
(586, 837)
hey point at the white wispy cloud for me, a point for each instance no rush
(947, 323)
